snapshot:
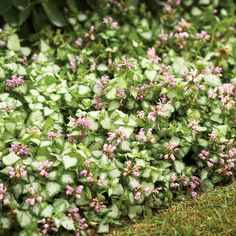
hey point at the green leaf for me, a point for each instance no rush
(212, 80)
(206, 185)
(178, 64)
(102, 67)
(111, 94)
(52, 188)
(223, 129)
(114, 173)
(204, 2)
(103, 227)
(106, 123)
(60, 205)
(38, 19)
(134, 211)
(203, 174)
(10, 127)
(179, 166)
(5, 5)
(69, 161)
(53, 14)
(47, 211)
(125, 146)
(67, 179)
(5, 223)
(114, 212)
(25, 51)
(13, 43)
(12, 16)
(20, 4)
(71, 5)
(196, 11)
(150, 74)
(83, 90)
(36, 116)
(24, 218)
(133, 183)
(10, 159)
(67, 223)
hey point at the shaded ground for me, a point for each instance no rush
(212, 213)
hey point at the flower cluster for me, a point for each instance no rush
(97, 205)
(110, 22)
(145, 137)
(17, 172)
(169, 150)
(35, 197)
(19, 149)
(131, 169)
(82, 122)
(14, 82)
(48, 226)
(117, 135)
(3, 195)
(44, 167)
(70, 191)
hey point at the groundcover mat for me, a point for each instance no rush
(120, 113)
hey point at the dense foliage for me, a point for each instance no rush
(121, 115)
(36, 13)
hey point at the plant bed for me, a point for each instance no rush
(117, 115)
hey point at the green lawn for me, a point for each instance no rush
(212, 213)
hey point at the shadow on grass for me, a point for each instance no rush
(212, 213)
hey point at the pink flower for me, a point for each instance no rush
(6, 201)
(90, 34)
(83, 172)
(97, 205)
(17, 172)
(51, 135)
(193, 194)
(137, 196)
(14, 82)
(30, 201)
(79, 191)
(44, 167)
(141, 114)
(39, 198)
(203, 35)
(141, 135)
(169, 81)
(73, 213)
(73, 65)
(194, 125)
(83, 224)
(69, 190)
(108, 149)
(152, 55)
(19, 149)
(210, 163)
(48, 226)
(121, 92)
(151, 116)
(79, 42)
(203, 154)
(109, 21)
(83, 122)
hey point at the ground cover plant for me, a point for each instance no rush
(119, 114)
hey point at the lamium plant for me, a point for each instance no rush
(116, 116)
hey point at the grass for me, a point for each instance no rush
(212, 213)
